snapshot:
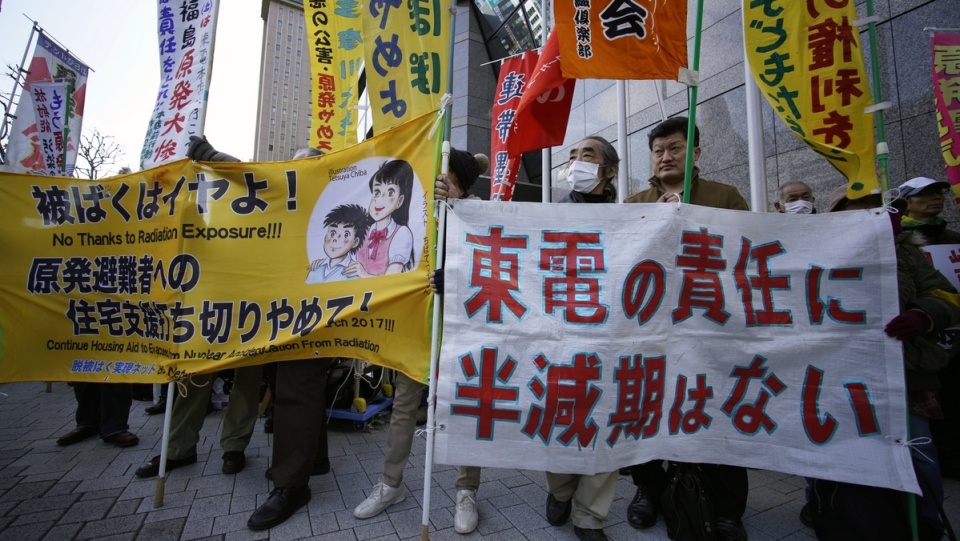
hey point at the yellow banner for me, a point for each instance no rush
(334, 35)
(195, 267)
(807, 60)
(407, 54)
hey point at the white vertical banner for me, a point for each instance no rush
(50, 105)
(51, 64)
(185, 31)
(585, 338)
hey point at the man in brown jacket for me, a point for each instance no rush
(668, 148)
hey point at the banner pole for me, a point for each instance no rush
(882, 151)
(434, 357)
(546, 155)
(435, 333)
(164, 444)
(755, 146)
(692, 114)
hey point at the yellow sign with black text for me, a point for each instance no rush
(195, 267)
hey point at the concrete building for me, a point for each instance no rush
(486, 31)
(283, 108)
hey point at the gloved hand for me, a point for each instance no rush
(436, 281)
(202, 151)
(909, 324)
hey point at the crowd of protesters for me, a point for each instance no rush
(928, 309)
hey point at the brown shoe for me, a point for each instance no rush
(78, 434)
(122, 439)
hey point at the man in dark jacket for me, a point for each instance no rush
(668, 148)
(925, 202)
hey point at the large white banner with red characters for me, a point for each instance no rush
(585, 338)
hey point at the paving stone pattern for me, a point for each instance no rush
(89, 491)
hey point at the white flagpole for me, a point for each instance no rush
(623, 172)
(164, 444)
(546, 164)
(434, 354)
(755, 148)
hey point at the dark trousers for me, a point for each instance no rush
(104, 405)
(728, 484)
(299, 420)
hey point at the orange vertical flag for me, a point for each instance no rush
(622, 39)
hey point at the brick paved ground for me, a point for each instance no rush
(89, 491)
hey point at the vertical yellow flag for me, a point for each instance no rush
(807, 60)
(407, 57)
(335, 42)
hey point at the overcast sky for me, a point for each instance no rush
(117, 39)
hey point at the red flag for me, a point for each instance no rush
(515, 76)
(544, 109)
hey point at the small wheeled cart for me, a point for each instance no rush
(361, 411)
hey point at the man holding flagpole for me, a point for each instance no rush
(668, 147)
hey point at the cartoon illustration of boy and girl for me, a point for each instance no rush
(360, 244)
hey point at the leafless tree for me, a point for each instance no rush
(99, 152)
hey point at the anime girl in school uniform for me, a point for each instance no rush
(388, 245)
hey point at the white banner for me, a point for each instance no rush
(185, 31)
(25, 153)
(585, 338)
(50, 102)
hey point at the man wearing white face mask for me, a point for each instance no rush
(586, 499)
(591, 170)
(795, 198)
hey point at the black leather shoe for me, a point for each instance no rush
(584, 534)
(642, 511)
(729, 529)
(152, 468)
(159, 407)
(78, 434)
(282, 503)
(233, 462)
(557, 512)
(806, 515)
(122, 439)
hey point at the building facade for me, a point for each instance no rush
(486, 31)
(283, 107)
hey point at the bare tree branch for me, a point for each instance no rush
(99, 152)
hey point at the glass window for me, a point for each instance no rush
(298, 52)
(276, 72)
(270, 148)
(289, 38)
(280, 11)
(298, 79)
(286, 75)
(278, 47)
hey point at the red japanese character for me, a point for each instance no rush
(818, 428)
(485, 392)
(640, 384)
(701, 286)
(568, 399)
(762, 281)
(577, 254)
(646, 282)
(695, 418)
(833, 307)
(495, 273)
(749, 418)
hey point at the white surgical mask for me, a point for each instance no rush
(798, 207)
(583, 176)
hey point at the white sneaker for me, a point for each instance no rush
(465, 521)
(382, 497)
